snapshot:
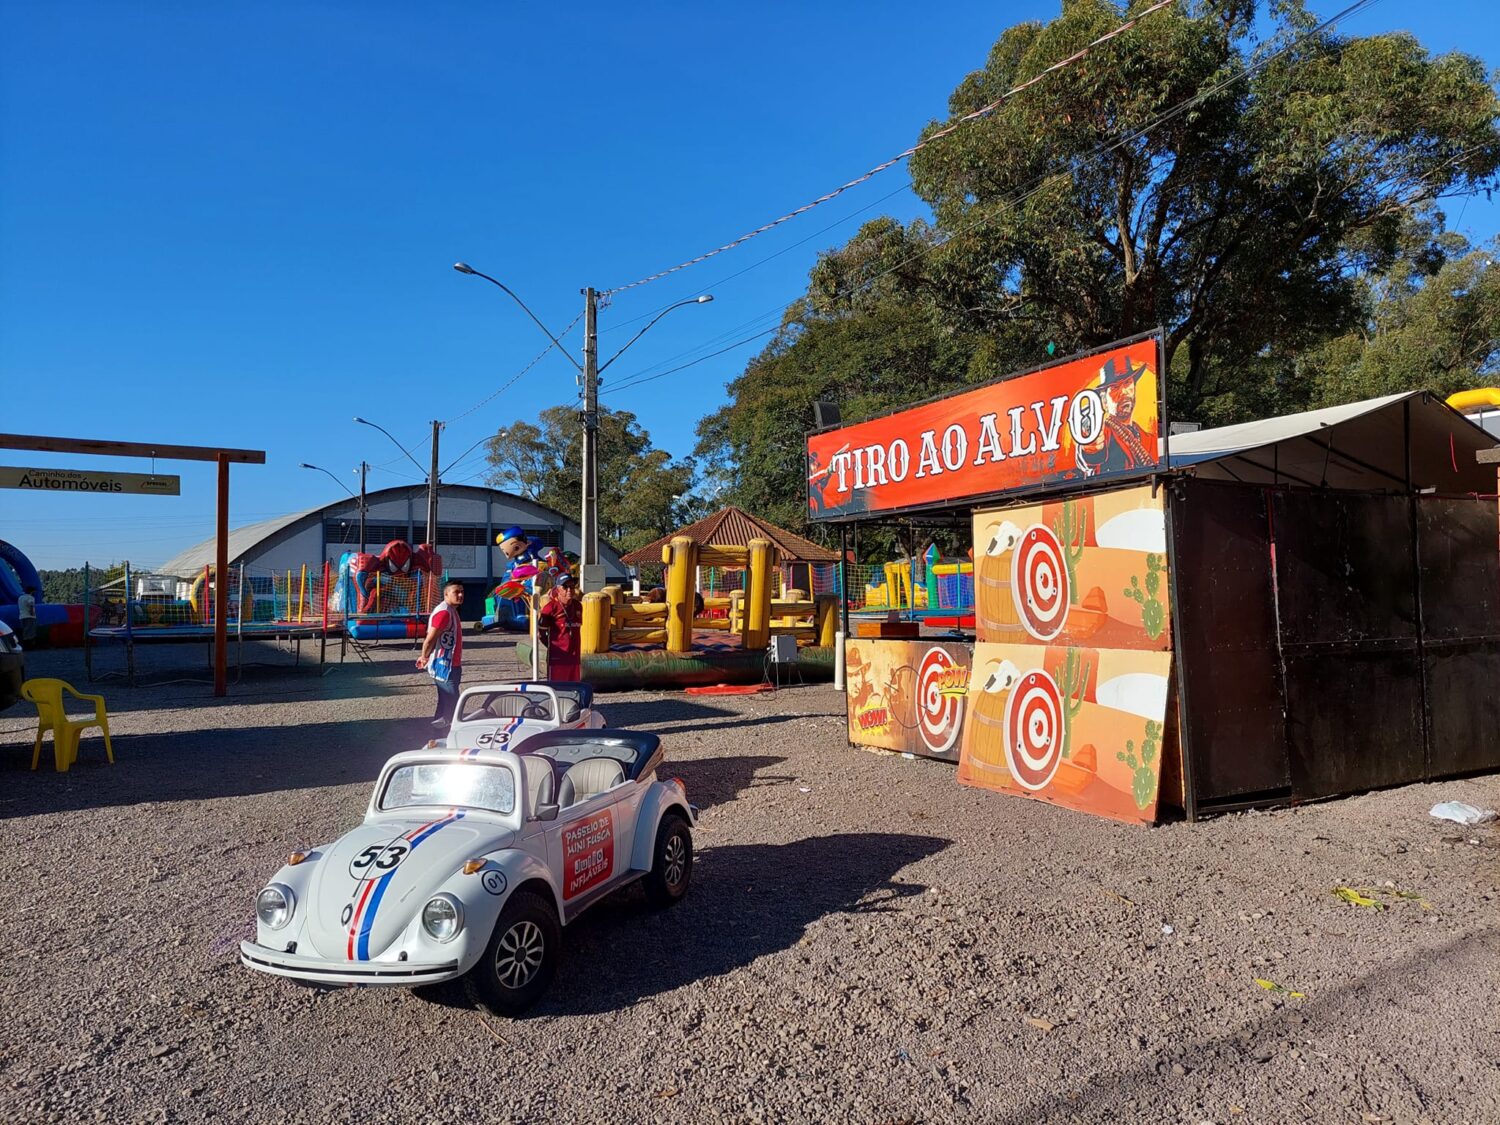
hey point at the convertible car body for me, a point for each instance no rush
(471, 861)
(503, 715)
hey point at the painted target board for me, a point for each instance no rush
(1077, 727)
(1084, 571)
(907, 695)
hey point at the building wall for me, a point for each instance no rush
(467, 526)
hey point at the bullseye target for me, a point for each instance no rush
(1039, 582)
(1034, 730)
(940, 716)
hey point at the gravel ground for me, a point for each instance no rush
(864, 941)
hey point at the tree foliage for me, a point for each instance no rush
(641, 488)
(1264, 221)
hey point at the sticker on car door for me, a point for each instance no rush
(588, 849)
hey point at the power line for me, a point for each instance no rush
(983, 111)
(692, 363)
(1036, 184)
(518, 375)
(711, 285)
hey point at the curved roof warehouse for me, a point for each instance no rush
(468, 519)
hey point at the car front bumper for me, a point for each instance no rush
(318, 970)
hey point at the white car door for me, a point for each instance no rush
(589, 844)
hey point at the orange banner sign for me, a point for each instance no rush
(1097, 416)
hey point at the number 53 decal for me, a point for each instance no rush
(377, 859)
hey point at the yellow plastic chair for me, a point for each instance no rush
(52, 715)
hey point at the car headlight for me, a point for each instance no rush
(274, 906)
(443, 917)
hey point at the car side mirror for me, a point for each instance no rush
(545, 812)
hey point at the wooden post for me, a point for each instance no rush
(221, 587)
(758, 594)
(682, 573)
(597, 610)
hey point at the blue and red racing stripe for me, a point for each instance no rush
(369, 902)
(473, 751)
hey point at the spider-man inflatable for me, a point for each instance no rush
(398, 557)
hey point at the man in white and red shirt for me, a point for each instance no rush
(443, 651)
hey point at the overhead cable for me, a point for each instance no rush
(983, 111)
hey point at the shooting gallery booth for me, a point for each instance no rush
(1283, 610)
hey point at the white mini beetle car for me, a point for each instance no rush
(500, 716)
(470, 862)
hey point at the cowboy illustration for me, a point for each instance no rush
(1121, 445)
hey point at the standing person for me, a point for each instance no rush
(26, 608)
(560, 619)
(442, 653)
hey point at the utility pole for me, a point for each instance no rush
(590, 573)
(432, 487)
(364, 467)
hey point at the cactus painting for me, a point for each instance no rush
(1074, 683)
(1144, 768)
(1071, 527)
(1147, 594)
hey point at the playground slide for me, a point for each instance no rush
(57, 626)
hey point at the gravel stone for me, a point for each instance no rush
(865, 940)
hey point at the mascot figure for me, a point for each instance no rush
(528, 558)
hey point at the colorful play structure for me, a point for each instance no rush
(143, 607)
(930, 590)
(388, 596)
(57, 626)
(629, 641)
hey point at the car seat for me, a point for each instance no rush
(569, 710)
(589, 778)
(541, 782)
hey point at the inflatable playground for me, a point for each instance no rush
(927, 591)
(388, 596)
(57, 626)
(680, 637)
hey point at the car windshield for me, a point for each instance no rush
(469, 785)
(482, 705)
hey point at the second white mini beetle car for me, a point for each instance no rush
(503, 715)
(471, 862)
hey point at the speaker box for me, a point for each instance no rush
(825, 414)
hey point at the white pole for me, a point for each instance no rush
(536, 666)
(838, 662)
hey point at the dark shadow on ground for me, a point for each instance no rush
(717, 781)
(746, 901)
(1260, 1039)
(626, 715)
(200, 765)
(728, 724)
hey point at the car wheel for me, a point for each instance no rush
(521, 957)
(671, 861)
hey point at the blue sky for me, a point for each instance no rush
(234, 224)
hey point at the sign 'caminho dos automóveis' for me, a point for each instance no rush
(90, 481)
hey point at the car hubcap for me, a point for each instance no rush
(674, 859)
(519, 955)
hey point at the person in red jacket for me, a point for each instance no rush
(560, 619)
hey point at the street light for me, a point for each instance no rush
(464, 267)
(361, 497)
(700, 300)
(432, 474)
(590, 573)
(476, 445)
(325, 472)
(387, 433)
